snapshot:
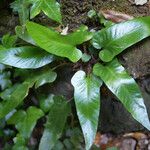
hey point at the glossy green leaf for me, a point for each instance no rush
(20, 143)
(25, 57)
(86, 57)
(91, 13)
(51, 8)
(120, 36)
(6, 94)
(17, 96)
(25, 121)
(87, 100)
(2, 47)
(22, 7)
(125, 88)
(5, 81)
(26, 125)
(46, 102)
(17, 117)
(44, 76)
(57, 44)
(9, 41)
(38, 77)
(55, 123)
(59, 146)
(23, 34)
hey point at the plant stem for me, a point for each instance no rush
(60, 65)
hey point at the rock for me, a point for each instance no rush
(8, 22)
(114, 118)
(143, 144)
(138, 65)
(140, 2)
(128, 144)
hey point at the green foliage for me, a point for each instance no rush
(85, 57)
(22, 7)
(125, 88)
(43, 77)
(5, 81)
(73, 140)
(19, 143)
(46, 102)
(29, 121)
(22, 33)
(57, 44)
(25, 120)
(55, 123)
(87, 99)
(16, 97)
(51, 8)
(40, 52)
(117, 38)
(9, 41)
(91, 13)
(25, 57)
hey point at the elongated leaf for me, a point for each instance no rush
(55, 123)
(15, 99)
(57, 44)
(120, 36)
(25, 121)
(125, 88)
(50, 7)
(25, 57)
(20, 143)
(17, 117)
(23, 34)
(27, 124)
(87, 100)
(22, 7)
(6, 94)
(46, 102)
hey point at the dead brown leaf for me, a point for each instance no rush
(115, 16)
(136, 135)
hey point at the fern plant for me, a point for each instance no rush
(43, 52)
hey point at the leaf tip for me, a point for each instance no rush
(76, 55)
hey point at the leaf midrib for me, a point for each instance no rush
(109, 45)
(123, 87)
